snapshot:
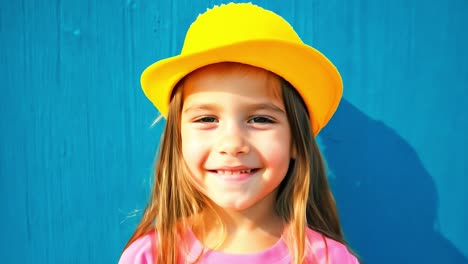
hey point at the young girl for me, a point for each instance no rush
(239, 178)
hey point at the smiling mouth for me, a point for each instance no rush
(234, 172)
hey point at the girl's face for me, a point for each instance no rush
(236, 139)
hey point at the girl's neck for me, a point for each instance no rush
(259, 223)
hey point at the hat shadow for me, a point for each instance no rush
(386, 198)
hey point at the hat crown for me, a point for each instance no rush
(236, 23)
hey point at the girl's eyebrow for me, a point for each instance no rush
(250, 107)
(201, 107)
(265, 106)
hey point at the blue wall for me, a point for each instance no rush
(76, 147)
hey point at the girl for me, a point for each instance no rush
(240, 178)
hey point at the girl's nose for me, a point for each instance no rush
(232, 142)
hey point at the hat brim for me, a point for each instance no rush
(310, 72)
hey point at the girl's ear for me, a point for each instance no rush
(293, 151)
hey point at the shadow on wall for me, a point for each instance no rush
(386, 198)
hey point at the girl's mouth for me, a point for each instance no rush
(234, 172)
(234, 175)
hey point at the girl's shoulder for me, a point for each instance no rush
(323, 247)
(139, 251)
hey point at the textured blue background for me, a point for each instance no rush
(76, 147)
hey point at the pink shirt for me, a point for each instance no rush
(140, 252)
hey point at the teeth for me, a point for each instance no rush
(228, 172)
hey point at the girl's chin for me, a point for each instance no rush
(233, 206)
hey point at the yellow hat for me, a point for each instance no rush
(249, 34)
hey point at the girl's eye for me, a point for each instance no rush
(206, 119)
(260, 119)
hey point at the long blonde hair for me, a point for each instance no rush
(304, 198)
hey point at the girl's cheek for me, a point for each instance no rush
(193, 149)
